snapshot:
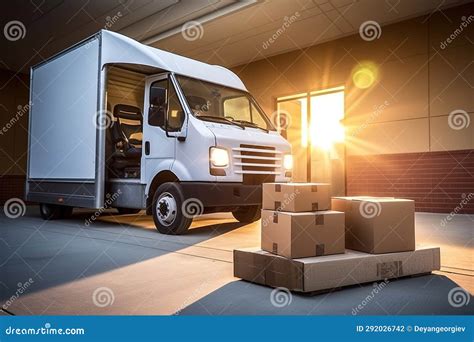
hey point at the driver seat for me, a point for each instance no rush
(126, 133)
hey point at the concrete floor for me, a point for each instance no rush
(134, 270)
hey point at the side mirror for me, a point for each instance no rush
(156, 116)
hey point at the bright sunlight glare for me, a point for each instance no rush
(327, 111)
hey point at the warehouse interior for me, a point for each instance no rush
(382, 111)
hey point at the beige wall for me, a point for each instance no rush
(13, 123)
(418, 83)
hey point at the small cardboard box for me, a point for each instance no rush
(331, 271)
(378, 224)
(296, 197)
(300, 235)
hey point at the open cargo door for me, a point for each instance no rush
(67, 128)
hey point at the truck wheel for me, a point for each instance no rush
(128, 211)
(248, 214)
(55, 211)
(167, 210)
(50, 211)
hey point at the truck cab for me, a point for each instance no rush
(173, 136)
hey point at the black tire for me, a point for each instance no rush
(128, 211)
(163, 196)
(248, 214)
(50, 211)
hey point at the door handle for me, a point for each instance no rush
(147, 148)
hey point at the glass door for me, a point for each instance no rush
(292, 124)
(312, 123)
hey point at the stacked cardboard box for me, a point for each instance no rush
(297, 222)
(303, 240)
(378, 224)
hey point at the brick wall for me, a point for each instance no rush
(12, 186)
(437, 181)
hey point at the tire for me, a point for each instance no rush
(50, 211)
(248, 214)
(167, 210)
(128, 211)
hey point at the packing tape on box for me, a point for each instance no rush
(283, 272)
(277, 187)
(277, 206)
(314, 206)
(275, 217)
(314, 188)
(320, 249)
(319, 220)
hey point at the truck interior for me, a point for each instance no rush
(126, 138)
(125, 96)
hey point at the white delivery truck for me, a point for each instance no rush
(115, 123)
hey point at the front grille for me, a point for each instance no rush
(257, 160)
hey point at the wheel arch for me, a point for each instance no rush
(160, 178)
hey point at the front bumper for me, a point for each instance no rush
(215, 194)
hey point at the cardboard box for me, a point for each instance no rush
(300, 235)
(331, 271)
(378, 224)
(296, 197)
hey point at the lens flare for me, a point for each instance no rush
(364, 75)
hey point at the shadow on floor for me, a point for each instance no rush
(61, 251)
(424, 295)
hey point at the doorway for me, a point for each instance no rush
(312, 123)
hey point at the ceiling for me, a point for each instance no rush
(228, 33)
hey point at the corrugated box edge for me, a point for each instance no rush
(270, 270)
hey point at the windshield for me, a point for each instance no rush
(213, 102)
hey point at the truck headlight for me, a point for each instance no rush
(219, 157)
(288, 162)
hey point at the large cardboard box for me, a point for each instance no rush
(331, 271)
(300, 235)
(296, 197)
(378, 224)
